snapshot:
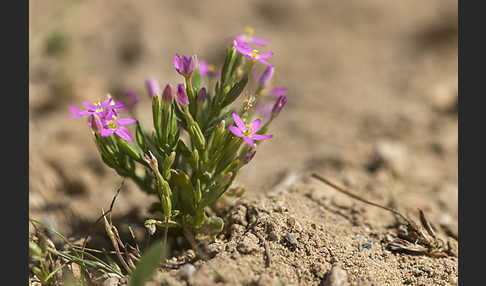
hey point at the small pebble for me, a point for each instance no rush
(291, 241)
(336, 277)
(291, 221)
(186, 271)
(365, 246)
(238, 215)
(214, 248)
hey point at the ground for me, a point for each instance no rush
(372, 106)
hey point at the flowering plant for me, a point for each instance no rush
(199, 141)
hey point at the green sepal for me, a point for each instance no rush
(157, 114)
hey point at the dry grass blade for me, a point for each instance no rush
(415, 238)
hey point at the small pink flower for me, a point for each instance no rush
(243, 48)
(113, 124)
(99, 108)
(247, 131)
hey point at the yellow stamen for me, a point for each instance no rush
(98, 103)
(249, 131)
(112, 124)
(254, 54)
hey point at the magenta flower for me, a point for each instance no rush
(182, 95)
(113, 124)
(99, 108)
(184, 65)
(208, 70)
(243, 48)
(278, 91)
(153, 87)
(247, 131)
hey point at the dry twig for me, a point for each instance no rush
(414, 237)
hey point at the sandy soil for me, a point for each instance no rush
(372, 106)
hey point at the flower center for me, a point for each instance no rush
(211, 68)
(249, 130)
(254, 54)
(112, 123)
(99, 107)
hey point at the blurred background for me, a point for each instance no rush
(372, 93)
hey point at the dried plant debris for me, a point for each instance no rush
(412, 237)
(420, 239)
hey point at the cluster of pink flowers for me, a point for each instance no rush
(103, 118)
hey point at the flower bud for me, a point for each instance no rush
(279, 105)
(96, 123)
(168, 95)
(184, 65)
(182, 95)
(266, 77)
(153, 87)
(221, 125)
(201, 97)
(248, 156)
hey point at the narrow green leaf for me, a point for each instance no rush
(147, 265)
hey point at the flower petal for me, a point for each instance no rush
(126, 121)
(236, 131)
(259, 41)
(177, 62)
(265, 62)
(261, 137)
(266, 55)
(249, 141)
(107, 132)
(89, 105)
(124, 134)
(255, 124)
(239, 122)
(76, 112)
(106, 103)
